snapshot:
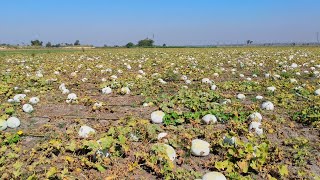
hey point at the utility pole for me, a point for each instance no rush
(317, 37)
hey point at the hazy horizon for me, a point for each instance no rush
(178, 22)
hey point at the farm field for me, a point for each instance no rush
(160, 113)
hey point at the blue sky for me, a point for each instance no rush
(174, 22)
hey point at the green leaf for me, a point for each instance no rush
(231, 152)
(72, 146)
(249, 148)
(52, 171)
(283, 170)
(221, 165)
(111, 131)
(17, 165)
(9, 110)
(100, 168)
(243, 165)
(106, 142)
(253, 165)
(91, 144)
(32, 177)
(122, 139)
(55, 143)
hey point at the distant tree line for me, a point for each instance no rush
(150, 43)
(142, 43)
(36, 43)
(49, 44)
(249, 42)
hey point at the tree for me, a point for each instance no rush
(249, 42)
(129, 45)
(146, 43)
(48, 44)
(164, 45)
(77, 43)
(36, 43)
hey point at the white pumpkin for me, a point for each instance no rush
(292, 80)
(271, 88)
(168, 150)
(3, 124)
(65, 91)
(34, 100)
(85, 131)
(141, 72)
(259, 97)
(84, 79)
(256, 126)
(188, 81)
(19, 97)
(317, 92)
(162, 135)
(184, 77)
(72, 97)
(241, 96)
(209, 118)
(200, 147)
(267, 75)
(206, 80)
(13, 122)
(213, 87)
(157, 117)
(27, 108)
(125, 90)
(214, 176)
(294, 65)
(162, 81)
(106, 90)
(73, 74)
(62, 86)
(97, 105)
(267, 105)
(11, 101)
(255, 117)
(171, 153)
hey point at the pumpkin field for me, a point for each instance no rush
(160, 113)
